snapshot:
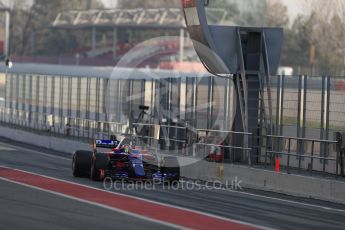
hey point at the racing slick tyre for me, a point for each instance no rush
(81, 163)
(171, 165)
(100, 161)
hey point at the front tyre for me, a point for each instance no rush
(99, 162)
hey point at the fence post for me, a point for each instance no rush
(337, 162)
(289, 152)
(324, 160)
(254, 152)
(312, 157)
(265, 152)
(323, 115)
(342, 163)
(327, 111)
(302, 100)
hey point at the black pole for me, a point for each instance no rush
(342, 163)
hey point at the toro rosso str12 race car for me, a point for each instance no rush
(120, 160)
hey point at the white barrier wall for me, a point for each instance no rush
(48, 142)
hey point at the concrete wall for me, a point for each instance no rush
(49, 142)
(296, 185)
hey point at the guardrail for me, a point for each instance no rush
(296, 155)
(304, 156)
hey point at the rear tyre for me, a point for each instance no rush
(171, 165)
(99, 162)
(81, 163)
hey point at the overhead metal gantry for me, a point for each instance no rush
(140, 17)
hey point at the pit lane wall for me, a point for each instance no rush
(296, 185)
(289, 184)
(45, 141)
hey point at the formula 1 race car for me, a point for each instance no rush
(120, 160)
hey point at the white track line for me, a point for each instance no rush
(3, 148)
(97, 204)
(35, 151)
(147, 200)
(232, 191)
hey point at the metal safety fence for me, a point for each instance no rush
(295, 155)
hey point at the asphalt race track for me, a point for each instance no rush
(27, 207)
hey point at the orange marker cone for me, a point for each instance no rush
(277, 166)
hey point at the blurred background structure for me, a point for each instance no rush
(57, 48)
(88, 32)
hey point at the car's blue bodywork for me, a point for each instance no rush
(127, 162)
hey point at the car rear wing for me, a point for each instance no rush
(106, 144)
